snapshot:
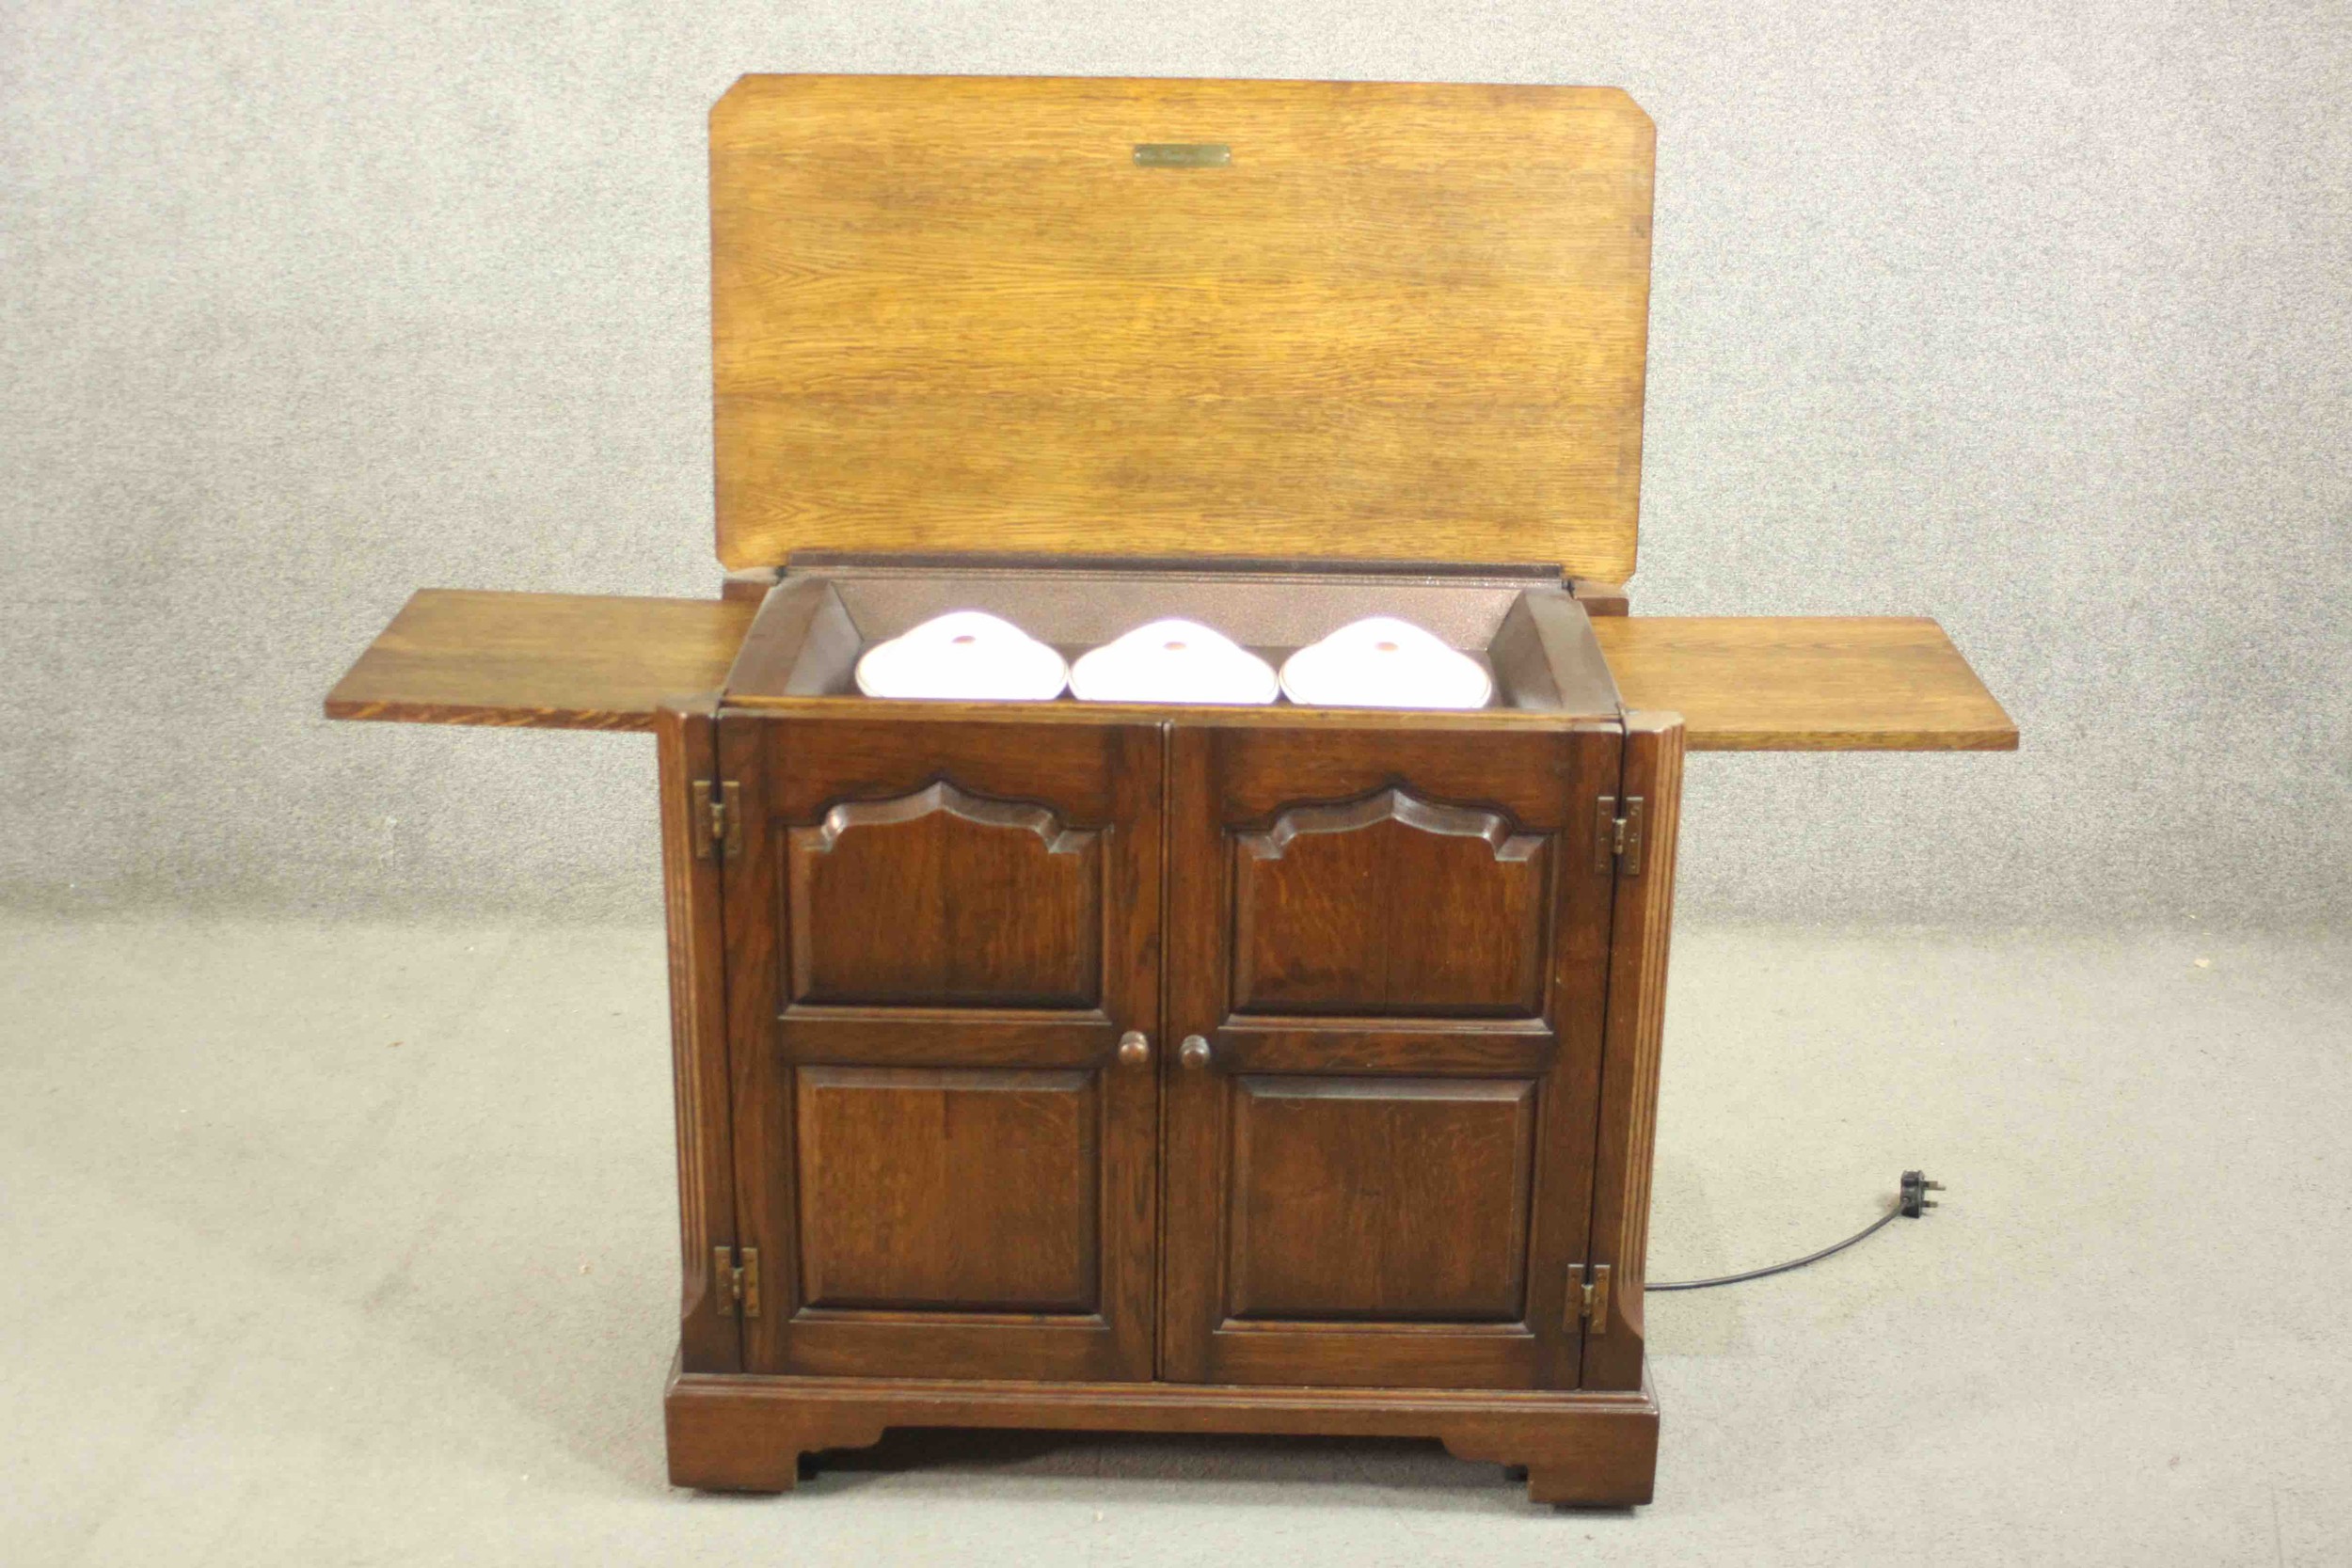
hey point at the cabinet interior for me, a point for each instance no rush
(1531, 636)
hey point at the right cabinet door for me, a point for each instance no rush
(1388, 953)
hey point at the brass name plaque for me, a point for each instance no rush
(1182, 155)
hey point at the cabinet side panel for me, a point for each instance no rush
(1637, 1016)
(683, 743)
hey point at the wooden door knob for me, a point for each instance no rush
(1135, 1048)
(1194, 1052)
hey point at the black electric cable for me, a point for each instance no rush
(1912, 1204)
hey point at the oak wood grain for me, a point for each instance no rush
(685, 745)
(1341, 1057)
(1643, 925)
(987, 902)
(1779, 683)
(1335, 906)
(957, 1176)
(1405, 321)
(894, 1036)
(1504, 1046)
(1600, 598)
(559, 661)
(949, 1188)
(1401, 1198)
(747, 1434)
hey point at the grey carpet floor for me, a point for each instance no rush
(355, 1244)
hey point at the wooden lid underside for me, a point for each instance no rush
(1402, 322)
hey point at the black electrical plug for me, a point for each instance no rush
(1916, 1187)
(1913, 1203)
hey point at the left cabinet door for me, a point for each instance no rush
(943, 995)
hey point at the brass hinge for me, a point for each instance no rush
(737, 1284)
(1588, 1299)
(1617, 835)
(718, 818)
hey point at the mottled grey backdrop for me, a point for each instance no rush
(2035, 318)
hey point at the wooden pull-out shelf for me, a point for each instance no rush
(549, 662)
(1753, 684)
(1787, 683)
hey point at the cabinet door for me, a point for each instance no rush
(1387, 950)
(938, 933)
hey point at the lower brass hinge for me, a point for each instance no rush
(736, 1285)
(718, 818)
(1588, 1299)
(1617, 835)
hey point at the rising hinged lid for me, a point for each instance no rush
(1365, 321)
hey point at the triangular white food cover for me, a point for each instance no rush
(1384, 662)
(1172, 662)
(969, 655)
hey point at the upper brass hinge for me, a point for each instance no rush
(1617, 835)
(1588, 1299)
(718, 818)
(736, 1285)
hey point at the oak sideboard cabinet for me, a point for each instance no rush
(1158, 1067)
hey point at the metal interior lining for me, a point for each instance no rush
(1086, 608)
(1534, 640)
